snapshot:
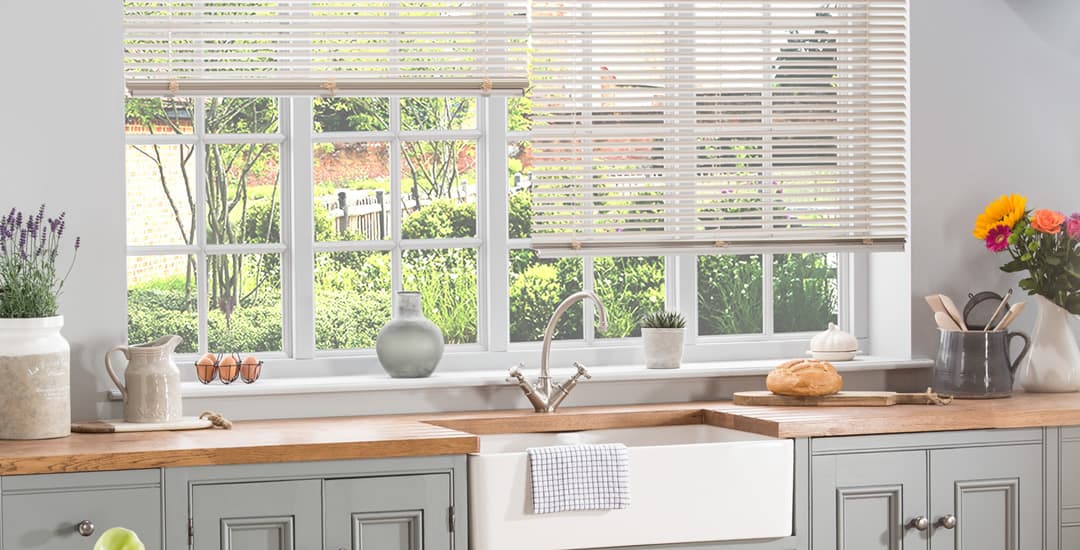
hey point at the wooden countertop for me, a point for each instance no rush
(268, 441)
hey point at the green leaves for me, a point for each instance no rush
(1014, 266)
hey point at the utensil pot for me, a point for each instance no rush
(977, 365)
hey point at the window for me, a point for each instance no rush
(281, 188)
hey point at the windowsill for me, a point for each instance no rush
(489, 378)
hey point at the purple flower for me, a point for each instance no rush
(1072, 226)
(78, 242)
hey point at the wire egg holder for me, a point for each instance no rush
(227, 368)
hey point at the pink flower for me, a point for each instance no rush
(1073, 226)
(998, 238)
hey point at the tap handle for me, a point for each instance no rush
(582, 371)
(515, 373)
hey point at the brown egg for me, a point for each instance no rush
(249, 361)
(228, 370)
(207, 360)
(205, 369)
(250, 369)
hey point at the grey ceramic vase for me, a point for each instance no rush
(410, 346)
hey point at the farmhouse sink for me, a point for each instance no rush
(687, 483)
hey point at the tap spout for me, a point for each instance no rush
(549, 332)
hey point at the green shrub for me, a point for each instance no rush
(804, 286)
(442, 219)
(447, 281)
(629, 287)
(729, 295)
(349, 319)
(520, 221)
(534, 295)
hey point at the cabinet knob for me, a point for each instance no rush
(947, 521)
(85, 528)
(921, 523)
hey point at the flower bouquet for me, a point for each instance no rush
(1046, 244)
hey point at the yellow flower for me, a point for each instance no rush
(1006, 210)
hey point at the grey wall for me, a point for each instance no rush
(61, 142)
(986, 121)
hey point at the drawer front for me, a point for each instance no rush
(48, 520)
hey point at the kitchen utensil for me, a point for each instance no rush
(1010, 316)
(840, 399)
(934, 301)
(945, 321)
(977, 364)
(953, 311)
(983, 308)
(119, 426)
(151, 386)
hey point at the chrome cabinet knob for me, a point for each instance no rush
(85, 528)
(947, 521)
(920, 523)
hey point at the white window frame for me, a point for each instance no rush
(493, 350)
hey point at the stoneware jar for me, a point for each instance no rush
(663, 347)
(35, 379)
(151, 386)
(410, 346)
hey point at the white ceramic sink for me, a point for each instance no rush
(687, 483)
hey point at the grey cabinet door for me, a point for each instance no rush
(273, 515)
(864, 501)
(409, 512)
(995, 494)
(47, 520)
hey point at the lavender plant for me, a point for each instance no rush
(29, 249)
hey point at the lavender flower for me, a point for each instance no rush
(29, 285)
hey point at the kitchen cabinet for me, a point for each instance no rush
(979, 490)
(374, 504)
(64, 511)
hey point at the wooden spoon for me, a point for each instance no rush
(953, 311)
(1010, 316)
(945, 321)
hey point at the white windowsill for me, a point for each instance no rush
(489, 378)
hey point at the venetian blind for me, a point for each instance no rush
(719, 125)
(307, 47)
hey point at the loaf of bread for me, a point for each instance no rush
(804, 377)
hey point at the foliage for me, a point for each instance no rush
(447, 281)
(536, 289)
(520, 216)
(1052, 262)
(663, 319)
(442, 219)
(629, 287)
(804, 292)
(29, 249)
(729, 295)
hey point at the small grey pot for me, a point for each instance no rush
(663, 347)
(410, 346)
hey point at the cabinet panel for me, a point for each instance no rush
(389, 513)
(48, 520)
(864, 501)
(278, 515)
(994, 493)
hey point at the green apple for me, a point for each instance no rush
(119, 538)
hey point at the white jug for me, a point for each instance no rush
(151, 386)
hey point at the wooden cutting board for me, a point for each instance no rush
(119, 426)
(841, 399)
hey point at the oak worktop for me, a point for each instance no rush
(269, 441)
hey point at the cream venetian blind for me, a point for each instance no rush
(719, 125)
(307, 47)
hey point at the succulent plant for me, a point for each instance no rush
(663, 319)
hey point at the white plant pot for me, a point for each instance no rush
(35, 379)
(1053, 364)
(663, 347)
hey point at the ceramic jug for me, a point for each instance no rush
(976, 364)
(151, 386)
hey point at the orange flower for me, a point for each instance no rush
(1047, 221)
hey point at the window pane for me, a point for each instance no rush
(352, 191)
(536, 289)
(447, 281)
(438, 113)
(519, 114)
(241, 115)
(243, 193)
(729, 295)
(160, 195)
(630, 288)
(804, 292)
(158, 115)
(352, 298)
(438, 189)
(519, 165)
(244, 298)
(162, 300)
(351, 114)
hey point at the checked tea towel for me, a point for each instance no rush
(579, 477)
